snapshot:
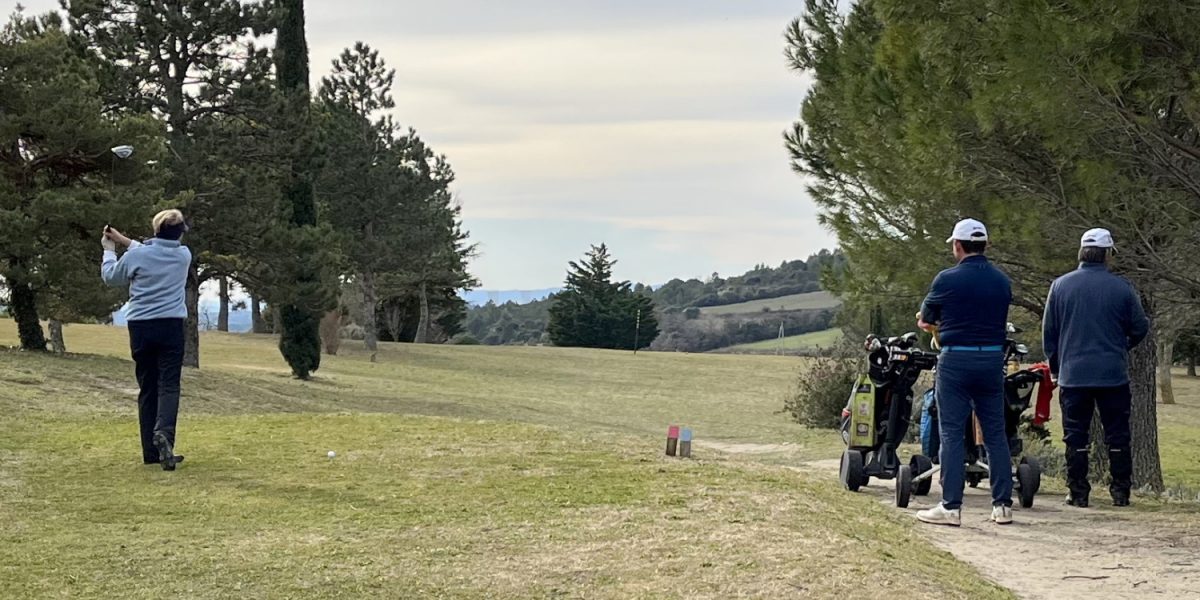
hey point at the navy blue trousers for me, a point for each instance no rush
(157, 346)
(969, 381)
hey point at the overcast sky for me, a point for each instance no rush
(651, 125)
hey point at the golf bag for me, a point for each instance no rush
(876, 418)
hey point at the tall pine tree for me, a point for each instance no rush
(59, 181)
(186, 63)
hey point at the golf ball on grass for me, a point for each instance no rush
(332, 454)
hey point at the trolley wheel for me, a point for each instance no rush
(1029, 479)
(851, 473)
(904, 485)
(1037, 470)
(921, 465)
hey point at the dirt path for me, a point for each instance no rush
(1056, 552)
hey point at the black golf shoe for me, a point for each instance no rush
(166, 455)
(1077, 501)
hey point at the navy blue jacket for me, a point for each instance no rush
(1093, 318)
(969, 304)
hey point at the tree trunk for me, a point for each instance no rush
(331, 337)
(370, 327)
(56, 337)
(1191, 365)
(1147, 467)
(223, 310)
(257, 325)
(191, 329)
(423, 324)
(1166, 351)
(393, 320)
(24, 312)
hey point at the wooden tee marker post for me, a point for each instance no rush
(685, 443)
(672, 439)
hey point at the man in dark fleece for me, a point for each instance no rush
(1093, 318)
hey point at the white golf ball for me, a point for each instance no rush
(332, 454)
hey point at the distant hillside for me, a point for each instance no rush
(812, 300)
(760, 283)
(696, 316)
(807, 342)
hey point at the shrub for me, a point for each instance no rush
(823, 388)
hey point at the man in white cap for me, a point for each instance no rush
(969, 305)
(1093, 318)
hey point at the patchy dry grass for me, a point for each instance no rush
(460, 473)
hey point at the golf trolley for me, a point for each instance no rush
(877, 416)
(916, 477)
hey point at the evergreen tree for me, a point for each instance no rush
(361, 187)
(184, 62)
(1041, 120)
(594, 312)
(59, 181)
(306, 285)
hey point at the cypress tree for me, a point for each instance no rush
(306, 292)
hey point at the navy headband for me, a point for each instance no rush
(171, 231)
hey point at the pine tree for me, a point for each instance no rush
(594, 312)
(356, 185)
(184, 62)
(59, 181)
(1040, 120)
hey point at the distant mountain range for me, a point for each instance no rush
(482, 297)
(239, 320)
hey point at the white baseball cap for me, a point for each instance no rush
(1096, 238)
(969, 230)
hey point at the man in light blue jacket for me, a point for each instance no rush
(155, 271)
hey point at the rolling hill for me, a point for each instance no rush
(810, 301)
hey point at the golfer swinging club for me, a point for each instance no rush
(969, 305)
(155, 272)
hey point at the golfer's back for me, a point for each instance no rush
(1091, 316)
(156, 273)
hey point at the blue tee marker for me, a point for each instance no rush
(685, 443)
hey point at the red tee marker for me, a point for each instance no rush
(672, 439)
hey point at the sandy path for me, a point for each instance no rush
(1055, 552)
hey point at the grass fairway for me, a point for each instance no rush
(461, 473)
(813, 300)
(808, 341)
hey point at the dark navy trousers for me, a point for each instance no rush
(966, 381)
(157, 346)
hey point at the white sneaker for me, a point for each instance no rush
(1002, 515)
(940, 515)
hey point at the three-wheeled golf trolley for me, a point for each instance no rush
(915, 477)
(876, 419)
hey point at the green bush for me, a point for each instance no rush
(822, 389)
(464, 339)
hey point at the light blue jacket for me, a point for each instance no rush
(156, 273)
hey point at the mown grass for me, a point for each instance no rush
(808, 301)
(807, 341)
(460, 473)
